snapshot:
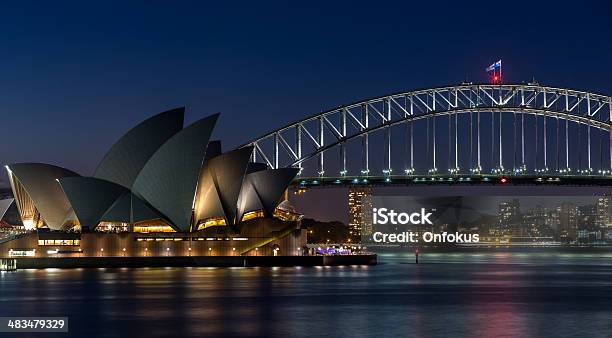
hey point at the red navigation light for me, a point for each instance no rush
(503, 180)
(495, 78)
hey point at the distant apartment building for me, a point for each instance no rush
(537, 221)
(567, 214)
(360, 210)
(587, 217)
(509, 217)
(604, 211)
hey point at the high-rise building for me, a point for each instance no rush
(604, 211)
(509, 216)
(587, 217)
(537, 221)
(360, 210)
(568, 220)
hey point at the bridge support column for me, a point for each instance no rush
(567, 167)
(365, 151)
(557, 145)
(501, 158)
(435, 169)
(523, 165)
(535, 165)
(471, 159)
(456, 145)
(514, 142)
(545, 145)
(275, 151)
(321, 143)
(409, 170)
(298, 145)
(387, 154)
(387, 170)
(589, 146)
(479, 166)
(610, 134)
(343, 171)
(343, 159)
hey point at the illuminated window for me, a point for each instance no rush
(112, 227)
(253, 215)
(211, 222)
(63, 242)
(152, 226)
(285, 215)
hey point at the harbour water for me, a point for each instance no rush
(501, 294)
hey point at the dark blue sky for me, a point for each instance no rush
(74, 76)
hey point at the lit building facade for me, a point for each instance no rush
(509, 217)
(567, 214)
(360, 211)
(604, 211)
(538, 221)
(161, 190)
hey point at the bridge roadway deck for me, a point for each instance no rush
(540, 180)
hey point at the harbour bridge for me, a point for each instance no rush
(464, 134)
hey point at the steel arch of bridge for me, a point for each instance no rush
(315, 135)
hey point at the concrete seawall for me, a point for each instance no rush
(193, 261)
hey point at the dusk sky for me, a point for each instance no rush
(75, 76)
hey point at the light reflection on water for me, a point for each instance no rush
(460, 294)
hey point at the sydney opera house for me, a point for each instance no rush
(161, 190)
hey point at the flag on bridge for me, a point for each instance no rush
(496, 74)
(494, 66)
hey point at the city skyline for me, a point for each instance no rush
(501, 220)
(331, 204)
